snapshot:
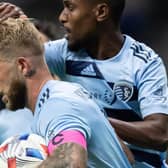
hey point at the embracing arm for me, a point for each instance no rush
(66, 155)
(151, 133)
(127, 151)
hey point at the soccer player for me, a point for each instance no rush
(125, 77)
(75, 129)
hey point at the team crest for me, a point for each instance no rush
(123, 90)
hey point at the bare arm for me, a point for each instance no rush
(65, 156)
(151, 133)
(127, 151)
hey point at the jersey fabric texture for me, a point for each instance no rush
(14, 122)
(128, 86)
(66, 106)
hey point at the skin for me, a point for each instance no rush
(9, 10)
(67, 155)
(102, 39)
(32, 95)
(31, 71)
(92, 34)
(12, 97)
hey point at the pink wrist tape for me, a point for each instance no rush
(67, 136)
(12, 163)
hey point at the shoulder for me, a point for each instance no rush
(57, 51)
(62, 91)
(56, 43)
(142, 52)
(141, 56)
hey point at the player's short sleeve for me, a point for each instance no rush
(55, 53)
(57, 116)
(153, 91)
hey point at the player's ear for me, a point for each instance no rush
(102, 11)
(23, 65)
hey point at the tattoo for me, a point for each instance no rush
(68, 155)
(30, 73)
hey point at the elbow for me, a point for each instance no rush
(164, 145)
(159, 143)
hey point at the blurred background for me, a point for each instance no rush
(145, 20)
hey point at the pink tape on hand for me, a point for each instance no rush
(67, 136)
(12, 163)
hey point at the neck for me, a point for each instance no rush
(107, 45)
(34, 86)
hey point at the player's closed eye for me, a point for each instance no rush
(69, 5)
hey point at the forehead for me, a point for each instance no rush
(79, 2)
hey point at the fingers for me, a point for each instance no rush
(9, 10)
(5, 8)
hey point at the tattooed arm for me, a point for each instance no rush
(67, 155)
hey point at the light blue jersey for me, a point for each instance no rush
(66, 106)
(129, 86)
(14, 122)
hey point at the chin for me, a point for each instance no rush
(74, 46)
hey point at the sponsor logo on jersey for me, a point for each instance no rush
(89, 70)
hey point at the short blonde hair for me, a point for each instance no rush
(19, 36)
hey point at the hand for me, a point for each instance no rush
(10, 10)
(26, 150)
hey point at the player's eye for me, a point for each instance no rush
(69, 5)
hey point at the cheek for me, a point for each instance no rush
(84, 29)
(4, 87)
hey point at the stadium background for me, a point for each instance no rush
(145, 20)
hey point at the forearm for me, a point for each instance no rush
(66, 155)
(147, 134)
(127, 151)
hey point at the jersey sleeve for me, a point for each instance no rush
(60, 116)
(153, 91)
(55, 53)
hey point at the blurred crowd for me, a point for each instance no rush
(145, 20)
